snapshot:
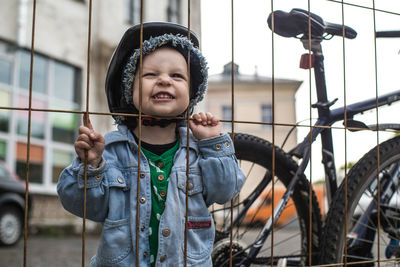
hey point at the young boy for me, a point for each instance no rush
(112, 188)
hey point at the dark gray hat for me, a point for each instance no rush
(124, 62)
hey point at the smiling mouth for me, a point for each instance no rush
(163, 96)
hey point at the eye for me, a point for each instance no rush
(177, 75)
(149, 74)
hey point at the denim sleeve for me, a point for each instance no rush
(70, 189)
(222, 177)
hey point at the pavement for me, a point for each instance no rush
(45, 251)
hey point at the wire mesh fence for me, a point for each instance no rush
(301, 203)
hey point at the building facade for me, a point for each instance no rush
(253, 104)
(59, 80)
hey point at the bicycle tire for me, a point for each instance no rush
(258, 152)
(361, 185)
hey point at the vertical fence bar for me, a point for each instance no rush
(345, 135)
(232, 123)
(377, 138)
(86, 123)
(310, 135)
(273, 130)
(139, 137)
(29, 134)
(187, 143)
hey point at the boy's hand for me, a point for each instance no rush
(90, 141)
(205, 126)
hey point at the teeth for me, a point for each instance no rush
(163, 96)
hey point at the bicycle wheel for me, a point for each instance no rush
(363, 242)
(291, 242)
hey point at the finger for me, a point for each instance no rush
(82, 145)
(196, 118)
(97, 137)
(214, 121)
(209, 117)
(84, 130)
(203, 118)
(86, 121)
(85, 138)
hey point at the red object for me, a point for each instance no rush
(307, 61)
(199, 225)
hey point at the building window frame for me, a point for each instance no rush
(50, 98)
(266, 115)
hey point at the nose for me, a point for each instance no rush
(164, 79)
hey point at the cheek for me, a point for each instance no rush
(135, 94)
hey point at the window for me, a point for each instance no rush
(64, 82)
(39, 72)
(56, 85)
(3, 149)
(4, 114)
(61, 159)
(133, 11)
(266, 115)
(227, 115)
(173, 11)
(38, 118)
(63, 126)
(5, 71)
(36, 161)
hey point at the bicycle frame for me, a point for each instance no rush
(326, 118)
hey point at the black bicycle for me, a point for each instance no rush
(291, 233)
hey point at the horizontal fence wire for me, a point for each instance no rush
(233, 122)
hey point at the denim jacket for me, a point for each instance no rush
(214, 176)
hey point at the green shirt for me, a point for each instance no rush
(160, 168)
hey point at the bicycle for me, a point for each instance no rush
(303, 240)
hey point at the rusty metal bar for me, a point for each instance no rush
(273, 129)
(29, 134)
(232, 124)
(139, 137)
(187, 145)
(345, 135)
(86, 122)
(310, 136)
(365, 7)
(377, 138)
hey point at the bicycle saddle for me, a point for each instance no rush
(295, 23)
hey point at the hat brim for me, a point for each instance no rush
(129, 42)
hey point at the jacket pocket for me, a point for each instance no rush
(195, 183)
(115, 243)
(200, 237)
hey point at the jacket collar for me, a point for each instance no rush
(124, 135)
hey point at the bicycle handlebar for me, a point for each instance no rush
(387, 34)
(296, 22)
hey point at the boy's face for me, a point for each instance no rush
(165, 88)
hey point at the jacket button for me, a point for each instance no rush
(190, 186)
(160, 164)
(162, 193)
(142, 200)
(161, 177)
(166, 232)
(142, 175)
(98, 177)
(227, 144)
(163, 258)
(217, 146)
(144, 254)
(120, 180)
(143, 228)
